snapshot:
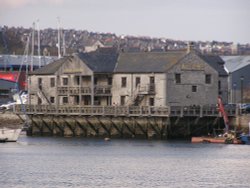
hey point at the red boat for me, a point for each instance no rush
(217, 140)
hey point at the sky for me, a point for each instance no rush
(196, 20)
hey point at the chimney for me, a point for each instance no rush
(190, 47)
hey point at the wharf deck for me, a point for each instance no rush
(166, 111)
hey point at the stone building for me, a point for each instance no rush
(83, 79)
(174, 78)
(142, 78)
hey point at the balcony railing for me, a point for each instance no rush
(146, 89)
(103, 90)
(165, 111)
(99, 90)
(93, 110)
(73, 90)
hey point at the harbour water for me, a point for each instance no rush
(79, 162)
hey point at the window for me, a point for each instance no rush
(177, 78)
(137, 81)
(65, 81)
(52, 82)
(77, 99)
(39, 100)
(122, 100)
(78, 80)
(40, 83)
(151, 79)
(151, 101)
(52, 99)
(109, 81)
(208, 79)
(95, 80)
(124, 81)
(219, 87)
(65, 100)
(194, 88)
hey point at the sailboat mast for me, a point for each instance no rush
(38, 43)
(64, 47)
(32, 46)
(58, 35)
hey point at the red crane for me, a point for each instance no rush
(223, 113)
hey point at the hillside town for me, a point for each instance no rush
(13, 40)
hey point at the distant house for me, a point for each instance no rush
(93, 46)
(107, 78)
(238, 68)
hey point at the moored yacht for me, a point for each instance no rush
(9, 135)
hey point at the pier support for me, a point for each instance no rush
(121, 126)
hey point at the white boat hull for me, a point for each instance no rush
(9, 135)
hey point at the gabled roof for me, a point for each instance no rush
(50, 68)
(216, 62)
(147, 62)
(100, 61)
(234, 63)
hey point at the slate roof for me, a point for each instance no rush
(216, 62)
(100, 61)
(147, 62)
(234, 63)
(50, 68)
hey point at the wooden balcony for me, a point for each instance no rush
(98, 91)
(103, 90)
(148, 89)
(73, 90)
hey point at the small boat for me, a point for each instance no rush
(217, 140)
(9, 135)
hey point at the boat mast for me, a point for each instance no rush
(32, 46)
(58, 36)
(38, 43)
(64, 47)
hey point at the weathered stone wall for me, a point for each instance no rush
(192, 70)
(130, 89)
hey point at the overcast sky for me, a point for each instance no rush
(205, 20)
